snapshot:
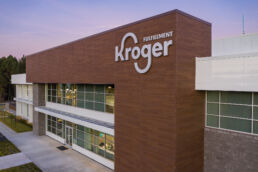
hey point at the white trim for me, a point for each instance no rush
(101, 116)
(55, 137)
(251, 134)
(19, 79)
(76, 121)
(94, 156)
(22, 100)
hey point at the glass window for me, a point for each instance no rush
(232, 110)
(80, 95)
(89, 105)
(109, 108)
(80, 103)
(89, 88)
(213, 96)
(99, 97)
(87, 138)
(213, 108)
(99, 88)
(255, 127)
(100, 107)
(236, 97)
(89, 96)
(235, 124)
(110, 147)
(213, 120)
(96, 97)
(255, 112)
(236, 111)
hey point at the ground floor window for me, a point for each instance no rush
(232, 110)
(56, 126)
(87, 138)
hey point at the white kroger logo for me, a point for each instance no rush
(146, 51)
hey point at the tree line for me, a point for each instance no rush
(8, 66)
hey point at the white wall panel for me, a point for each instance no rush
(247, 43)
(19, 79)
(228, 73)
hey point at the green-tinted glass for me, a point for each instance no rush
(49, 98)
(255, 112)
(256, 98)
(235, 124)
(88, 141)
(99, 88)
(99, 97)
(89, 88)
(255, 127)
(89, 105)
(213, 108)
(236, 97)
(236, 111)
(80, 143)
(89, 96)
(212, 121)
(80, 127)
(212, 96)
(80, 103)
(80, 87)
(100, 107)
(80, 95)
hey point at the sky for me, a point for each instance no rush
(29, 26)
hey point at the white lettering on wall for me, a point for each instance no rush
(146, 51)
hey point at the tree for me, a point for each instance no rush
(9, 66)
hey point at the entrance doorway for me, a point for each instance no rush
(68, 135)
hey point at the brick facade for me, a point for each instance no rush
(228, 151)
(159, 117)
(39, 126)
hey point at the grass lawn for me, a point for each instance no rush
(30, 167)
(6, 147)
(21, 125)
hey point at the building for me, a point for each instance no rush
(229, 78)
(125, 97)
(136, 98)
(24, 97)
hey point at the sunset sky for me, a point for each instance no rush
(29, 26)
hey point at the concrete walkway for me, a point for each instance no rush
(42, 151)
(13, 160)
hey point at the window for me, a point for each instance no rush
(95, 141)
(88, 96)
(236, 111)
(55, 126)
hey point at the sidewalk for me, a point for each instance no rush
(42, 151)
(13, 160)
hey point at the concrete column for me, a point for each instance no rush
(39, 126)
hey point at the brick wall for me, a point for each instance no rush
(227, 151)
(38, 100)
